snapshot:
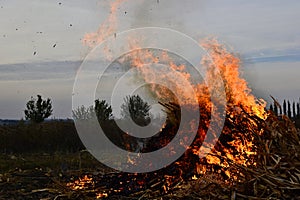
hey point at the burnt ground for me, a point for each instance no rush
(31, 170)
(44, 176)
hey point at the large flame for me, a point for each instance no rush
(238, 96)
(237, 90)
(241, 148)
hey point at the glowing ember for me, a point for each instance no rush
(81, 183)
(101, 195)
(86, 183)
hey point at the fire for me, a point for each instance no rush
(107, 28)
(237, 147)
(101, 195)
(140, 59)
(237, 90)
(81, 183)
(238, 95)
(194, 177)
(86, 182)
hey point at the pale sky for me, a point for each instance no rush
(266, 35)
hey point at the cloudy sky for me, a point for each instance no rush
(41, 47)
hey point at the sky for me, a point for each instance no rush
(41, 42)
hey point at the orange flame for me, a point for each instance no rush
(81, 183)
(86, 183)
(107, 28)
(238, 94)
(237, 90)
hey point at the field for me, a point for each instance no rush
(48, 161)
(36, 156)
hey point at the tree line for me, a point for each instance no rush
(134, 107)
(290, 109)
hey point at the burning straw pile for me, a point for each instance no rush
(256, 156)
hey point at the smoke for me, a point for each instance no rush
(165, 13)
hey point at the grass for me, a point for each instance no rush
(47, 137)
(57, 162)
(51, 145)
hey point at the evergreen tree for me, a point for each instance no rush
(298, 110)
(284, 107)
(275, 109)
(294, 110)
(280, 110)
(289, 113)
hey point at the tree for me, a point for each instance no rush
(294, 110)
(136, 108)
(275, 109)
(103, 110)
(37, 110)
(284, 107)
(83, 113)
(298, 110)
(280, 110)
(289, 110)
